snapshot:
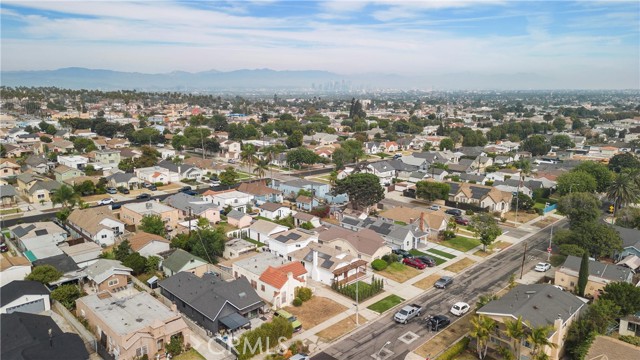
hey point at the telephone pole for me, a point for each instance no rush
(524, 257)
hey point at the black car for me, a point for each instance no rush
(185, 189)
(115, 206)
(402, 253)
(427, 260)
(454, 212)
(438, 322)
(143, 196)
(443, 282)
(152, 187)
(123, 190)
(190, 192)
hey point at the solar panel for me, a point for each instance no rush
(327, 264)
(41, 232)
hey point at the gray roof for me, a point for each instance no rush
(538, 304)
(302, 183)
(269, 206)
(401, 166)
(235, 214)
(630, 237)
(18, 288)
(382, 166)
(63, 263)
(121, 177)
(45, 185)
(208, 295)
(28, 177)
(34, 160)
(472, 150)
(384, 228)
(7, 190)
(176, 261)
(472, 177)
(103, 268)
(20, 231)
(605, 271)
(185, 202)
(173, 167)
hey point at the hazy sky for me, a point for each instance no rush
(561, 39)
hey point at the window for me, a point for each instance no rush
(572, 284)
(141, 351)
(103, 237)
(262, 288)
(631, 326)
(159, 344)
(113, 282)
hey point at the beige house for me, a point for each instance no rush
(107, 275)
(132, 327)
(97, 224)
(148, 244)
(63, 172)
(41, 191)
(538, 305)
(364, 244)
(432, 221)
(9, 168)
(133, 213)
(600, 274)
(486, 197)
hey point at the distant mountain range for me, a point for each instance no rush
(264, 79)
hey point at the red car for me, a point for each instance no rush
(413, 262)
(460, 220)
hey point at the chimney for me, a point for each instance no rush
(315, 258)
(289, 275)
(422, 221)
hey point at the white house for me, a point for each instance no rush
(156, 174)
(97, 224)
(73, 161)
(24, 296)
(236, 199)
(274, 211)
(263, 230)
(13, 268)
(284, 243)
(383, 170)
(326, 263)
(39, 240)
(149, 244)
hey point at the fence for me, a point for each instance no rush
(549, 208)
(89, 340)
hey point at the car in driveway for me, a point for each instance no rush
(434, 207)
(152, 187)
(460, 308)
(3, 248)
(413, 262)
(460, 220)
(542, 267)
(404, 253)
(123, 190)
(443, 282)
(106, 201)
(143, 196)
(430, 262)
(185, 188)
(438, 322)
(112, 190)
(454, 212)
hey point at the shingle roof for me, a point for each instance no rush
(630, 237)
(176, 261)
(63, 263)
(141, 239)
(257, 188)
(18, 288)
(186, 202)
(104, 268)
(121, 177)
(44, 185)
(597, 269)
(364, 241)
(269, 206)
(89, 219)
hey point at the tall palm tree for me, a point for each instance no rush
(481, 331)
(516, 331)
(623, 191)
(65, 196)
(261, 168)
(248, 155)
(539, 338)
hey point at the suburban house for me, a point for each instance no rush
(156, 174)
(125, 180)
(13, 268)
(364, 244)
(307, 203)
(231, 149)
(485, 197)
(288, 241)
(327, 264)
(38, 240)
(132, 213)
(432, 222)
(96, 224)
(133, 326)
(83, 254)
(191, 207)
(107, 275)
(538, 305)
(238, 219)
(32, 336)
(274, 279)
(300, 218)
(261, 192)
(235, 248)
(107, 159)
(41, 191)
(630, 242)
(60, 146)
(290, 189)
(24, 296)
(405, 237)
(373, 147)
(185, 171)
(235, 199)
(213, 303)
(383, 170)
(263, 230)
(606, 347)
(9, 168)
(182, 261)
(38, 165)
(73, 161)
(148, 244)
(274, 211)
(630, 325)
(8, 195)
(321, 138)
(600, 274)
(25, 181)
(402, 171)
(63, 172)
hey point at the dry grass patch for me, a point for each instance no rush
(399, 272)
(460, 265)
(340, 328)
(483, 254)
(316, 311)
(496, 246)
(445, 338)
(545, 222)
(427, 283)
(523, 216)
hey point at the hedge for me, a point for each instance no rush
(455, 350)
(379, 264)
(633, 340)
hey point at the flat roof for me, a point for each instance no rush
(259, 263)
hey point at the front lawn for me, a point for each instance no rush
(441, 253)
(316, 311)
(385, 304)
(399, 272)
(460, 265)
(340, 328)
(191, 354)
(428, 282)
(461, 243)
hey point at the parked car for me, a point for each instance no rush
(231, 161)
(430, 262)
(152, 187)
(106, 201)
(460, 308)
(115, 206)
(145, 185)
(190, 192)
(295, 323)
(123, 190)
(542, 267)
(397, 156)
(185, 188)
(413, 262)
(143, 196)
(404, 253)
(112, 190)
(460, 220)
(443, 282)
(438, 322)
(215, 183)
(407, 313)
(434, 207)
(454, 212)
(3, 248)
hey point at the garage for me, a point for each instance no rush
(32, 307)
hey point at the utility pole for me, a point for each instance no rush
(189, 207)
(357, 281)
(549, 248)
(524, 256)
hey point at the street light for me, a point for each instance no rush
(383, 346)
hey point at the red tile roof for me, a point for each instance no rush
(277, 277)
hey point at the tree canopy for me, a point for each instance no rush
(44, 274)
(300, 156)
(485, 228)
(536, 144)
(363, 189)
(432, 190)
(229, 176)
(562, 141)
(580, 208)
(623, 161)
(447, 144)
(576, 181)
(152, 224)
(600, 173)
(624, 295)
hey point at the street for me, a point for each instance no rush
(487, 277)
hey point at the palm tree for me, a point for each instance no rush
(333, 178)
(65, 196)
(261, 168)
(515, 330)
(539, 338)
(481, 331)
(623, 191)
(484, 299)
(247, 155)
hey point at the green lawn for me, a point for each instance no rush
(441, 253)
(461, 243)
(385, 304)
(9, 211)
(192, 354)
(437, 259)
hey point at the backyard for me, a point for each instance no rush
(340, 328)
(316, 311)
(385, 304)
(461, 243)
(399, 272)
(460, 265)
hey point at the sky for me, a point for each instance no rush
(595, 42)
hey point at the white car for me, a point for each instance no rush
(542, 267)
(106, 201)
(434, 207)
(460, 308)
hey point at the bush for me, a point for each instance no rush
(503, 219)
(448, 234)
(297, 302)
(379, 264)
(469, 212)
(455, 350)
(304, 293)
(633, 340)
(158, 184)
(390, 258)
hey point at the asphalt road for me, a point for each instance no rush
(487, 277)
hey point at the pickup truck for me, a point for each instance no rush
(407, 313)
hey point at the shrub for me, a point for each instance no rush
(158, 184)
(304, 293)
(297, 302)
(390, 258)
(469, 212)
(448, 234)
(454, 350)
(633, 340)
(379, 264)
(503, 219)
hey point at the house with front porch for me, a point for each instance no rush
(274, 211)
(128, 181)
(328, 264)
(184, 171)
(485, 197)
